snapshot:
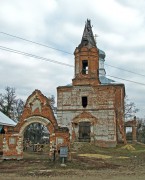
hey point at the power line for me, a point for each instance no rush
(35, 43)
(125, 70)
(33, 56)
(127, 80)
(53, 61)
(64, 51)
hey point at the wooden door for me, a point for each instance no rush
(84, 131)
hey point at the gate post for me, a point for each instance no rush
(12, 147)
(1, 144)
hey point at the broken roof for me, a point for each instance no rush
(88, 37)
(5, 120)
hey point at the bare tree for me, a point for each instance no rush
(35, 133)
(52, 103)
(141, 130)
(10, 105)
(18, 109)
(130, 109)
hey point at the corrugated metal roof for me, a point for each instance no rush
(105, 80)
(5, 120)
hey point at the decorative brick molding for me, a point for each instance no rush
(37, 110)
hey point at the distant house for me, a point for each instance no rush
(5, 122)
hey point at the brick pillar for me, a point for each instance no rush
(134, 140)
(73, 133)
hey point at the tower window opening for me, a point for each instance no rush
(84, 101)
(84, 67)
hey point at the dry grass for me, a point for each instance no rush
(128, 147)
(102, 156)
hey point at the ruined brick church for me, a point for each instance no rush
(92, 106)
(90, 109)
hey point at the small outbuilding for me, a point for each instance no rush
(5, 123)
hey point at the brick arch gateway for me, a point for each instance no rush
(36, 119)
(36, 110)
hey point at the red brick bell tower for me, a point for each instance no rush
(87, 59)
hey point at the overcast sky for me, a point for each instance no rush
(119, 24)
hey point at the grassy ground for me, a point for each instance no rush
(100, 163)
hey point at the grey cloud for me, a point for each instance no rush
(60, 24)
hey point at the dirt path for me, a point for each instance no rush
(102, 164)
(80, 175)
(97, 169)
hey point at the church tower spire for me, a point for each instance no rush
(87, 59)
(88, 39)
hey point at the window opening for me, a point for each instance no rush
(84, 101)
(2, 130)
(128, 134)
(84, 67)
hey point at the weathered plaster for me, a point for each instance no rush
(105, 103)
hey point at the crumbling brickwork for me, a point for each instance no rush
(91, 109)
(37, 110)
(133, 124)
(104, 109)
(100, 106)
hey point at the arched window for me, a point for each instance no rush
(84, 101)
(84, 67)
